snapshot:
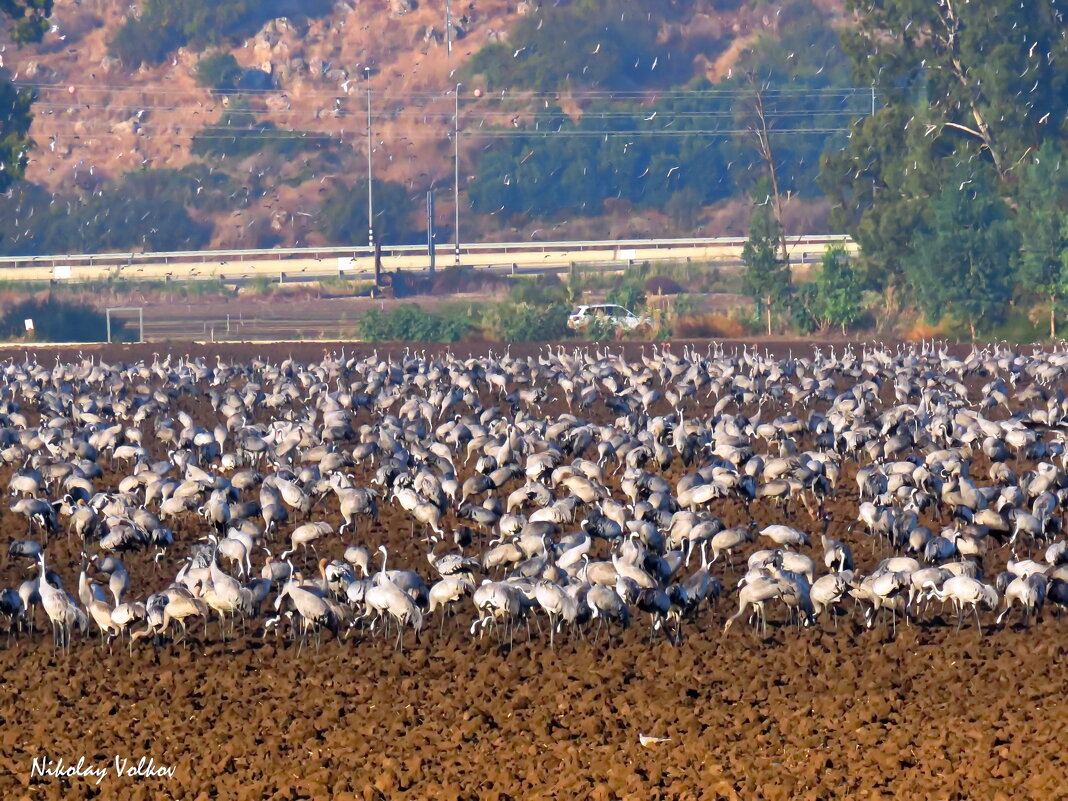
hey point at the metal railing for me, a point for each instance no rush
(318, 254)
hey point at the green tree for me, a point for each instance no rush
(165, 25)
(878, 187)
(28, 22)
(585, 43)
(143, 210)
(410, 323)
(342, 217)
(983, 82)
(628, 294)
(1042, 212)
(684, 207)
(219, 71)
(838, 289)
(766, 277)
(30, 18)
(991, 77)
(527, 322)
(962, 259)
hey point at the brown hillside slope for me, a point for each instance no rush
(96, 119)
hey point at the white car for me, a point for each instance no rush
(619, 316)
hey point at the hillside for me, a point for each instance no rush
(289, 131)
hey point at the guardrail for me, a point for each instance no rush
(357, 260)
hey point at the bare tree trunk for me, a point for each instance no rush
(760, 130)
(889, 305)
(1052, 316)
(972, 91)
(767, 305)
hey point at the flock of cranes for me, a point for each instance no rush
(558, 494)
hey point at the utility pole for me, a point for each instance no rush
(430, 229)
(448, 29)
(456, 169)
(370, 198)
(873, 182)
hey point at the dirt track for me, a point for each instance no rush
(831, 713)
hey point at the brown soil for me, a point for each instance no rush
(829, 713)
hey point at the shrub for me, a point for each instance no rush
(534, 57)
(165, 25)
(629, 295)
(138, 42)
(527, 322)
(710, 325)
(56, 320)
(543, 290)
(342, 217)
(600, 329)
(219, 71)
(409, 323)
(663, 285)
(453, 280)
(239, 135)
(345, 286)
(144, 210)
(684, 304)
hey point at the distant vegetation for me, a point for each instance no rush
(145, 210)
(934, 138)
(687, 150)
(219, 71)
(238, 134)
(587, 43)
(972, 124)
(535, 310)
(55, 320)
(342, 215)
(610, 155)
(25, 21)
(165, 25)
(410, 323)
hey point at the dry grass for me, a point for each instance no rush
(921, 329)
(700, 326)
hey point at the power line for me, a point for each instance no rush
(410, 112)
(668, 134)
(652, 94)
(215, 133)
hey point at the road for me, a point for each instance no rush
(308, 263)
